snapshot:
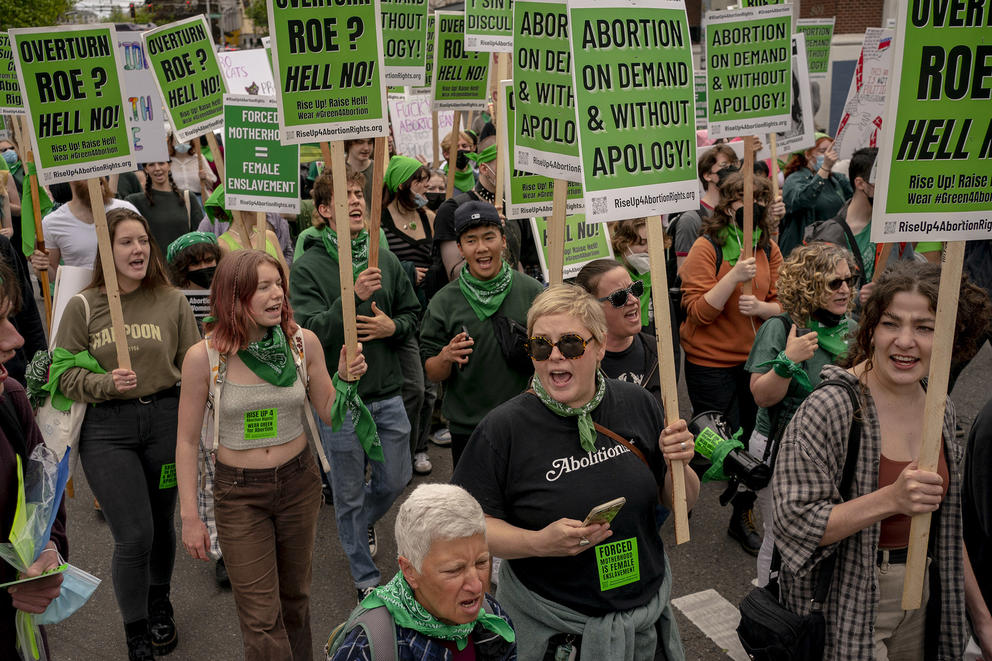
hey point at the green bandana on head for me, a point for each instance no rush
(399, 600)
(359, 248)
(485, 156)
(187, 240)
(270, 358)
(399, 171)
(733, 239)
(587, 429)
(485, 296)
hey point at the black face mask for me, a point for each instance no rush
(462, 159)
(434, 200)
(759, 214)
(202, 277)
(827, 318)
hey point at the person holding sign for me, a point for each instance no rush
(722, 321)
(868, 529)
(543, 463)
(267, 487)
(127, 444)
(467, 334)
(812, 191)
(378, 435)
(816, 290)
(464, 176)
(190, 169)
(170, 212)
(19, 436)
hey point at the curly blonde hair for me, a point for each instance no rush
(802, 280)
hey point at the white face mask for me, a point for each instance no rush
(639, 261)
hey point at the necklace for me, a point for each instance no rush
(485, 195)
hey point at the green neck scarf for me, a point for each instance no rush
(733, 239)
(399, 600)
(270, 358)
(587, 429)
(346, 401)
(464, 179)
(359, 248)
(832, 339)
(485, 296)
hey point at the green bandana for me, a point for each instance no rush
(587, 429)
(485, 156)
(187, 240)
(359, 249)
(787, 369)
(346, 400)
(485, 296)
(63, 359)
(36, 376)
(464, 180)
(270, 358)
(407, 612)
(833, 340)
(399, 171)
(733, 239)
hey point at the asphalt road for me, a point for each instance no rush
(208, 625)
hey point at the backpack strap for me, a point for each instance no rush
(853, 244)
(379, 628)
(300, 358)
(189, 216)
(218, 372)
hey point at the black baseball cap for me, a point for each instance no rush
(475, 214)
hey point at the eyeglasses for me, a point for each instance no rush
(619, 298)
(835, 284)
(571, 346)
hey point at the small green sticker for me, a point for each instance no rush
(260, 424)
(617, 564)
(167, 478)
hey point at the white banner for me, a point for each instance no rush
(861, 124)
(411, 117)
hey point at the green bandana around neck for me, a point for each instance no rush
(485, 296)
(399, 600)
(270, 358)
(832, 339)
(464, 179)
(359, 249)
(733, 239)
(587, 429)
(346, 401)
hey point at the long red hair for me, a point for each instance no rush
(231, 291)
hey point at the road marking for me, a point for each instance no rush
(716, 617)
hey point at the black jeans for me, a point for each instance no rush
(128, 452)
(724, 389)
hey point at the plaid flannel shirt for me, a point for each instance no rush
(807, 472)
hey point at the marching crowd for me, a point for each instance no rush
(548, 395)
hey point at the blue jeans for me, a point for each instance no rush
(358, 505)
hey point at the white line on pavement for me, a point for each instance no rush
(716, 617)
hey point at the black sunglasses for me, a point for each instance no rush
(619, 298)
(835, 284)
(571, 346)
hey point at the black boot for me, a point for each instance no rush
(742, 526)
(161, 625)
(220, 573)
(139, 644)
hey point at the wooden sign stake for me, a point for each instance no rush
(109, 273)
(343, 225)
(556, 232)
(452, 154)
(204, 183)
(375, 204)
(666, 354)
(933, 420)
(502, 63)
(883, 259)
(261, 229)
(39, 234)
(218, 157)
(435, 158)
(773, 145)
(747, 250)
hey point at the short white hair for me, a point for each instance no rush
(432, 512)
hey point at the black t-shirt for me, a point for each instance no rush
(976, 501)
(525, 466)
(627, 365)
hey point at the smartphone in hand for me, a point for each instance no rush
(604, 513)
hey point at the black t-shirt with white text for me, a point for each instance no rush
(524, 465)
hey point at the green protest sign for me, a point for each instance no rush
(934, 158)
(429, 51)
(585, 241)
(74, 96)
(699, 80)
(542, 78)
(749, 70)
(489, 25)
(328, 68)
(461, 77)
(634, 101)
(10, 90)
(184, 61)
(262, 174)
(819, 35)
(404, 38)
(528, 195)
